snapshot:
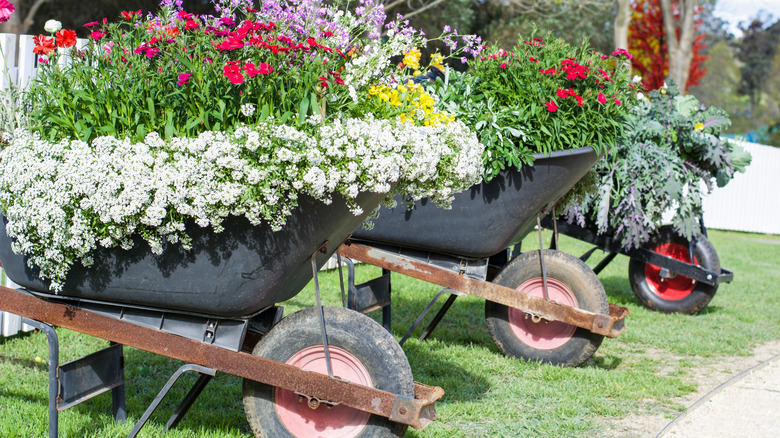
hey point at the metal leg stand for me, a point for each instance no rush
(164, 391)
(54, 364)
(439, 315)
(189, 399)
(604, 262)
(425, 312)
(386, 310)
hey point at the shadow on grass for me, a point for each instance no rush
(219, 407)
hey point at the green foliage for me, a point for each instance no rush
(671, 147)
(544, 95)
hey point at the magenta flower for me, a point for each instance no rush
(183, 78)
(602, 99)
(97, 34)
(551, 106)
(6, 9)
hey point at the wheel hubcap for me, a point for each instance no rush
(540, 333)
(308, 418)
(670, 287)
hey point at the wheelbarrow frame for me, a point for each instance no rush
(613, 247)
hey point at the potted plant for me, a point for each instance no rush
(531, 107)
(670, 155)
(168, 129)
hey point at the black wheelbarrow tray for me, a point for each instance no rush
(540, 305)
(669, 273)
(321, 371)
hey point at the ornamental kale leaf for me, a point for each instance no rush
(670, 153)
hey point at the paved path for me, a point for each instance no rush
(747, 405)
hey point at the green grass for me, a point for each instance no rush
(487, 394)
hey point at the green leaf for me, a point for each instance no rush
(303, 110)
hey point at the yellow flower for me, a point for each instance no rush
(699, 126)
(412, 58)
(436, 60)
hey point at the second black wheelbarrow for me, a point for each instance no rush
(540, 305)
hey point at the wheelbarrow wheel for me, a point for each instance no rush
(360, 350)
(674, 293)
(523, 336)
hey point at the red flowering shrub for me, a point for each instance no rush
(542, 95)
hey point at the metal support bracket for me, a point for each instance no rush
(205, 376)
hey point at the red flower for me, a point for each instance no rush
(549, 71)
(191, 24)
(531, 58)
(551, 106)
(503, 65)
(602, 99)
(617, 102)
(251, 70)
(265, 68)
(580, 100)
(233, 72)
(91, 23)
(43, 45)
(97, 34)
(129, 15)
(65, 38)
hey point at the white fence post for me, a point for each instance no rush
(10, 73)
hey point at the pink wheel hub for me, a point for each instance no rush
(676, 287)
(324, 421)
(543, 334)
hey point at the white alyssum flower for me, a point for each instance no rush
(71, 197)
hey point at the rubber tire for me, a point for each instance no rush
(356, 333)
(578, 278)
(702, 294)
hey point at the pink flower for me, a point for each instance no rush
(183, 78)
(622, 52)
(90, 24)
(580, 100)
(602, 99)
(551, 106)
(6, 9)
(503, 65)
(618, 102)
(98, 34)
(265, 68)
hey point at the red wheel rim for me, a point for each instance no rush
(543, 335)
(327, 422)
(674, 288)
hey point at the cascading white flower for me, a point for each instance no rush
(62, 200)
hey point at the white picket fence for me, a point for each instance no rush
(751, 202)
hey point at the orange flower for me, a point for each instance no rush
(43, 45)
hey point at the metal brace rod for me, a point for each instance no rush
(608, 325)
(541, 257)
(320, 311)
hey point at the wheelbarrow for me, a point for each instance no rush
(541, 305)
(214, 307)
(669, 273)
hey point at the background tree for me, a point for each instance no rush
(756, 51)
(649, 43)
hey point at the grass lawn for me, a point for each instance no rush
(487, 395)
